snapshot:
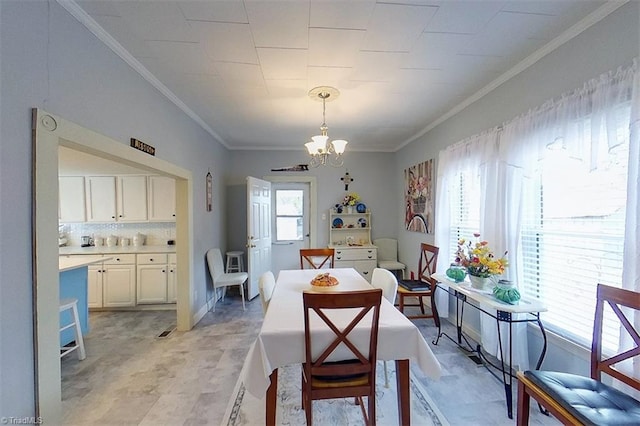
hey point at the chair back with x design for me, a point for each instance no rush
(428, 262)
(317, 258)
(354, 374)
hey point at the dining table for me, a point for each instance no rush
(280, 341)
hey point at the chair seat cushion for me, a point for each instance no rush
(341, 380)
(390, 265)
(590, 401)
(232, 278)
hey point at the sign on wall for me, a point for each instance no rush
(419, 197)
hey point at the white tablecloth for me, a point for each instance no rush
(281, 339)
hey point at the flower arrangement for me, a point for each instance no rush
(351, 199)
(479, 259)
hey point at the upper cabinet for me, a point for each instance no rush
(101, 198)
(162, 199)
(71, 199)
(126, 198)
(132, 199)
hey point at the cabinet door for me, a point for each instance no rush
(162, 199)
(365, 268)
(152, 284)
(132, 198)
(71, 199)
(94, 286)
(118, 286)
(101, 198)
(172, 284)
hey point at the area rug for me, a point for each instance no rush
(246, 410)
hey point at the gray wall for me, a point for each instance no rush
(50, 61)
(608, 44)
(373, 175)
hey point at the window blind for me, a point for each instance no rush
(573, 238)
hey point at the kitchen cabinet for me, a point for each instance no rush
(101, 198)
(162, 199)
(112, 284)
(116, 198)
(362, 259)
(155, 276)
(132, 198)
(71, 199)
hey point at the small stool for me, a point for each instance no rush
(234, 261)
(72, 304)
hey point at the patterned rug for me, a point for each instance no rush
(246, 410)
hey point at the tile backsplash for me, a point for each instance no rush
(156, 233)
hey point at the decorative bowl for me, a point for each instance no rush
(361, 208)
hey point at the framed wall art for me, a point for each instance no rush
(419, 197)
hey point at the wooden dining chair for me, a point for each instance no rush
(317, 258)
(426, 266)
(356, 375)
(579, 400)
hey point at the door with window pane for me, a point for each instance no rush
(290, 213)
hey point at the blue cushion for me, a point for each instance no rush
(590, 401)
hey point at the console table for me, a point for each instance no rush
(467, 296)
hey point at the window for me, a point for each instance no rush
(289, 214)
(573, 237)
(465, 207)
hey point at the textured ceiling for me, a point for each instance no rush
(245, 67)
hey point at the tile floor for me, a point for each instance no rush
(133, 377)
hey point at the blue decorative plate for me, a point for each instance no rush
(337, 222)
(361, 208)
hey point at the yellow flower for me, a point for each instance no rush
(479, 258)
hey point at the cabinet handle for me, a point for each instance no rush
(370, 257)
(170, 270)
(163, 271)
(113, 217)
(150, 260)
(174, 215)
(339, 258)
(117, 259)
(119, 215)
(366, 272)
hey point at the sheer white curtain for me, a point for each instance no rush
(585, 124)
(468, 155)
(631, 271)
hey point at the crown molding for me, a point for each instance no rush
(591, 19)
(85, 19)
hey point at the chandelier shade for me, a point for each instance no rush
(322, 151)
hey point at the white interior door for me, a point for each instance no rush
(290, 224)
(258, 232)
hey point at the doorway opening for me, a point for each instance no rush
(294, 219)
(49, 133)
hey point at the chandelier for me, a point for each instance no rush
(321, 150)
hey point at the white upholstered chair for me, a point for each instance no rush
(266, 284)
(385, 280)
(221, 279)
(388, 255)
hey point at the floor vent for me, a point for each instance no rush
(166, 333)
(476, 359)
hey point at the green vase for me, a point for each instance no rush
(506, 292)
(456, 273)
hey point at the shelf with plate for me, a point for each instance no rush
(350, 236)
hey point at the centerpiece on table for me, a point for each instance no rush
(482, 266)
(350, 200)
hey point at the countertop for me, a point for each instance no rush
(104, 250)
(68, 263)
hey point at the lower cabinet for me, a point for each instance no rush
(156, 278)
(362, 259)
(112, 284)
